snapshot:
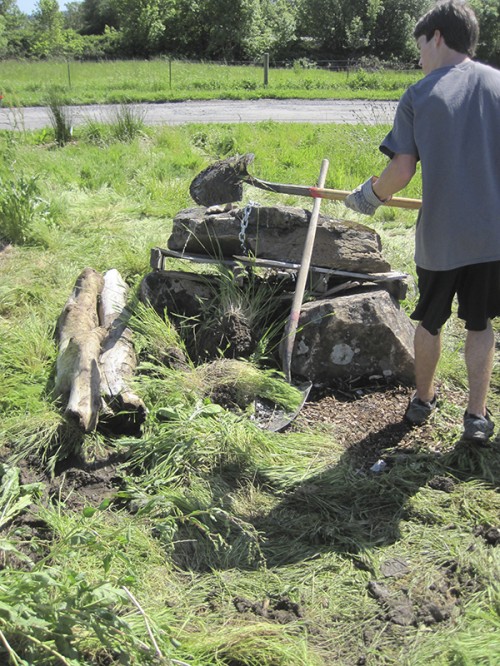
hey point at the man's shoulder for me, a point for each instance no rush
(486, 71)
(453, 77)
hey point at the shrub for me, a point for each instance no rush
(22, 211)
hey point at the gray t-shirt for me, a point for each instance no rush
(450, 120)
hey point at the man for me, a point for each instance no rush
(450, 121)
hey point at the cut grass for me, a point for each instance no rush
(217, 526)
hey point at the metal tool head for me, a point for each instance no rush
(222, 181)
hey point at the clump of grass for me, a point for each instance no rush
(60, 119)
(242, 316)
(24, 215)
(128, 123)
(44, 436)
(194, 438)
(156, 338)
(242, 382)
(255, 644)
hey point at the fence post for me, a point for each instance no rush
(266, 69)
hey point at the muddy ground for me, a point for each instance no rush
(366, 420)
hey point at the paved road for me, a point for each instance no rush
(215, 111)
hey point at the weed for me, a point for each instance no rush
(24, 215)
(128, 123)
(60, 119)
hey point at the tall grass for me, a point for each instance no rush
(157, 80)
(220, 543)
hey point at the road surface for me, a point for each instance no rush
(213, 111)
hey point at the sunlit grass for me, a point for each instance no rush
(158, 80)
(208, 508)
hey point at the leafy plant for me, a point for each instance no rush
(24, 214)
(14, 498)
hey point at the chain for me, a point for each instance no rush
(244, 224)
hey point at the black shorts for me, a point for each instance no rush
(478, 293)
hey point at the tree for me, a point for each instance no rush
(142, 24)
(488, 14)
(393, 32)
(279, 26)
(7, 7)
(3, 37)
(48, 27)
(73, 16)
(97, 15)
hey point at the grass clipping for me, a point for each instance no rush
(235, 383)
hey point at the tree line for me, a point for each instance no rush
(231, 30)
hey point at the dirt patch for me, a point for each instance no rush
(489, 533)
(280, 609)
(76, 483)
(369, 420)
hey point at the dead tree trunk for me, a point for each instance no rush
(96, 358)
(118, 360)
(78, 378)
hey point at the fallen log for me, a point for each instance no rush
(78, 379)
(118, 360)
(96, 359)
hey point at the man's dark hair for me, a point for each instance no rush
(456, 21)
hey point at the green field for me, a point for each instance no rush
(207, 541)
(25, 83)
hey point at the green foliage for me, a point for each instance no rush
(49, 616)
(213, 525)
(142, 23)
(49, 32)
(230, 29)
(128, 123)
(14, 497)
(60, 119)
(3, 37)
(24, 214)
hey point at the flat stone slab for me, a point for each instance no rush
(277, 233)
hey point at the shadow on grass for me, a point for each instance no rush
(350, 510)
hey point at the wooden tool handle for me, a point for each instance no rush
(340, 195)
(325, 193)
(298, 297)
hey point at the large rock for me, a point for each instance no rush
(358, 335)
(178, 292)
(278, 232)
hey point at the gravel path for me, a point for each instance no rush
(215, 111)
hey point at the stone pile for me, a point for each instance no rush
(352, 324)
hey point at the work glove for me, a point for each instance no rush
(363, 199)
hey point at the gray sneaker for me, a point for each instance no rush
(477, 428)
(419, 411)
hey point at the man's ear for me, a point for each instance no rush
(438, 37)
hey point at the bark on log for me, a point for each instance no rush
(118, 360)
(96, 359)
(80, 336)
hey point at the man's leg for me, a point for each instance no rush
(427, 352)
(479, 351)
